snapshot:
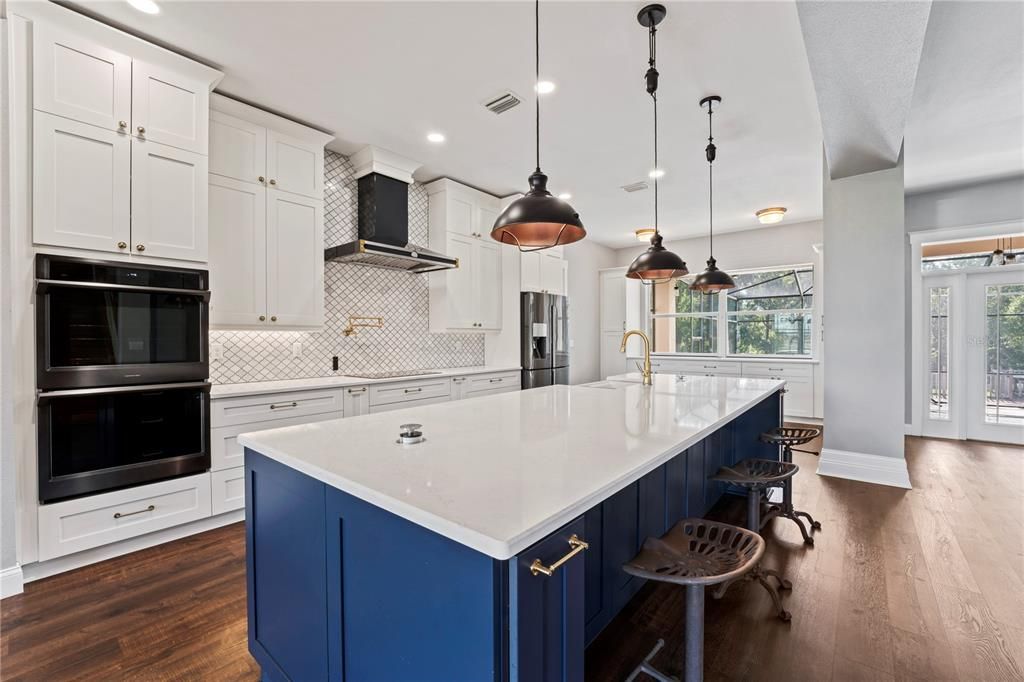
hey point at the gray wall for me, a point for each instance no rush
(864, 323)
(975, 204)
(585, 259)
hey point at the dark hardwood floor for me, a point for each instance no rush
(901, 585)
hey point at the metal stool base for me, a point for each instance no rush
(761, 575)
(648, 669)
(781, 511)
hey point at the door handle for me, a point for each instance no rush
(577, 545)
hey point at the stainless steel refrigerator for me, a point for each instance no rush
(544, 339)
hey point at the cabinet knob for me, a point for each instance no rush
(263, 318)
(261, 179)
(122, 124)
(142, 130)
(140, 247)
(273, 182)
(122, 245)
(273, 318)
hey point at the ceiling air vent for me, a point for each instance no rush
(635, 186)
(502, 102)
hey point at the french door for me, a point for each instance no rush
(973, 355)
(995, 356)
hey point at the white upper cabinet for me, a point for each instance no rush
(238, 250)
(543, 271)
(295, 260)
(266, 231)
(612, 295)
(81, 185)
(169, 107)
(295, 165)
(119, 140)
(467, 297)
(169, 202)
(238, 148)
(79, 79)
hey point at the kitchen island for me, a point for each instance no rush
(492, 549)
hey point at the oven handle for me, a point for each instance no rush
(121, 389)
(43, 285)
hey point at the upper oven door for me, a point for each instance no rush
(114, 325)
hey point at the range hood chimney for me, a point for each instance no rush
(383, 237)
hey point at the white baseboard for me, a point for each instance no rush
(44, 569)
(860, 466)
(12, 581)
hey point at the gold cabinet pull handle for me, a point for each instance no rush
(119, 515)
(577, 545)
(142, 130)
(260, 178)
(353, 391)
(273, 182)
(413, 390)
(122, 124)
(496, 381)
(273, 318)
(140, 247)
(263, 318)
(279, 406)
(122, 245)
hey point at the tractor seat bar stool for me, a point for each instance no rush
(756, 476)
(787, 437)
(695, 553)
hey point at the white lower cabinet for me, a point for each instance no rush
(357, 401)
(395, 396)
(476, 385)
(227, 453)
(227, 490)
(87, 522)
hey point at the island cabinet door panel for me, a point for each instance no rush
(547, 613)
(285, 571)
(595, 571)
(622, 540)
(695, 482)
(405, 603)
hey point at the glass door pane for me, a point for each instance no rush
(938, 353)
(1004, 354)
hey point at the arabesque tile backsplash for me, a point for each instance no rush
(404, 342)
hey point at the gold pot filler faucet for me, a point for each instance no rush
(646, 370)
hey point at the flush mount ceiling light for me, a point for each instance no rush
(538, 220)
(436, 138)
(644, 234)
(147, 6)
(712, 279)
(656, 264)
(565, 196)
(656, 173)
(768, 216)
(544, 87)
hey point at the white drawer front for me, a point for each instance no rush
(225, 451)
(386, 394)
(258, 408)
(388, 407)
(798, 401)
(489, 382)
(777, 369)
(76, 525)
(228, 490)
(696, 367)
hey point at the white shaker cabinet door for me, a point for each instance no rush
(169, 108)
(295, 260)
(81, 80)
(169, 202)
(295, 166)
(529, 273)
(81, 185)
(238, 148)
(488, 290)
(238, 253)
(551, 277)
(461, 284)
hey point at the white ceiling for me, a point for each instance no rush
(386, 73)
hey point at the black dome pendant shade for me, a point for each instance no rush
(712, 280)
(538, 220)
(657, 264)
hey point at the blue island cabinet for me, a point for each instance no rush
(339, 589)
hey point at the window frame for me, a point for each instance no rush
(723, 317)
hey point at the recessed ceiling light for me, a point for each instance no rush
(544, 87)
(657, 173)
(565, 196)
(436, 138)
(644, 234)
(767, 216)
(147, 6)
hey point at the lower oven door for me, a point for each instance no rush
(94, 440)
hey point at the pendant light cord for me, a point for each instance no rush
(711, 187)
(652, 47)
(536, 80)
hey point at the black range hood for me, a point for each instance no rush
(384, 231)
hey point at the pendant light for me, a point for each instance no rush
(657, 264)
(538, 220)
(712, 279)
(1009, 258)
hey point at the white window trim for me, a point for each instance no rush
(722, 316)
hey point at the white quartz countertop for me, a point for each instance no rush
(260, 387)
(498, 473)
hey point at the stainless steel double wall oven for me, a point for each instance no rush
(121, 373)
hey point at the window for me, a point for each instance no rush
(767, 313)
